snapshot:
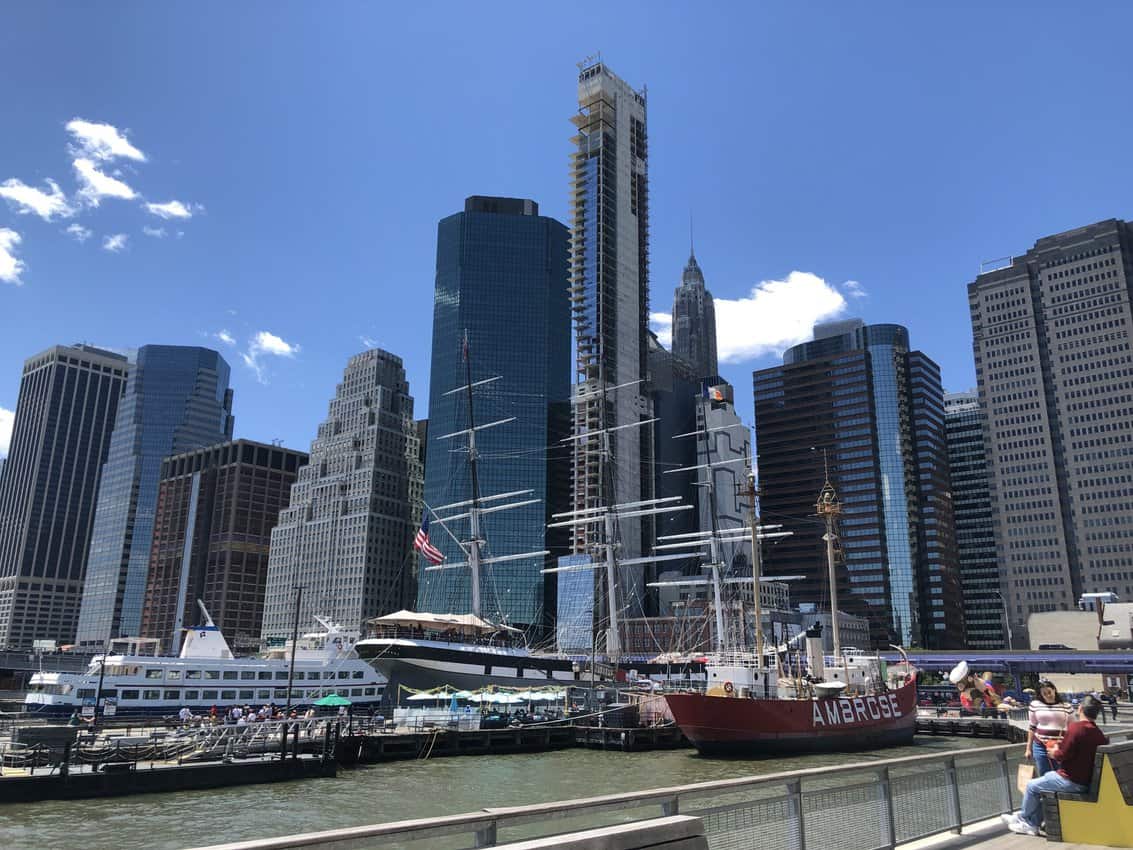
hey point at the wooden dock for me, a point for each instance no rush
(668, 737)
(377, 747)
(970, 727)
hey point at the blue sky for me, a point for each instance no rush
(313, 147)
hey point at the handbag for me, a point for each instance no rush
(1024, 774)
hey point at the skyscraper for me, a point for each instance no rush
(502, 277)
(216, 508)
(177, 399)
(975, 527)
(610, 294)
(858, 402)
(1052, 334)
(64, 416)
(345, 536)
(694, 322)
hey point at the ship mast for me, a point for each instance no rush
(829, 509)
(756, 562)
(474, 509)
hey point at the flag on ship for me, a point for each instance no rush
(421, 544)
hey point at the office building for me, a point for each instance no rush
(1052, 331)
(345, 537)
(984, 607)
(216, 508)
(65, 413)
(177, 399)
(501, 284)
(694, 322)
(610, 295)
(857, 404)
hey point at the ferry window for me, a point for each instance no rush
(263, 694)
(129, 694)
(172, 695)
(281, 674)
(299, 674)
(192, 695)
(280, 693)
(247, 674)
(212, 674)
(173, 675)
(153, 673)
(230, 675)
(86, 693)
(208, 694)
(264, 675)
(192, 674)
(228, 694)
(369, 692)
(151, 694)
(247, 694)
(358, 674)
(344, 674)
(329, 674)
(355, 692)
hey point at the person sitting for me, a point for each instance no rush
(1075, 752)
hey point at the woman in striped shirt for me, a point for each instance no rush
(1048, 718)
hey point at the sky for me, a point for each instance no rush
(265, 178)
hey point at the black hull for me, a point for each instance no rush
(805, 745)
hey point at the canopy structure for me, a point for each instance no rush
(466, 623)
(332, 699)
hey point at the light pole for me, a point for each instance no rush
(294, 648)
(1006, 619)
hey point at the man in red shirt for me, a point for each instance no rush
(1075, 753)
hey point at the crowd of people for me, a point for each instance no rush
(241, 715)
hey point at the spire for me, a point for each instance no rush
(692, 275)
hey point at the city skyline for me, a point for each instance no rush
(222, 169)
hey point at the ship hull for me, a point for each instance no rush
(728, 726)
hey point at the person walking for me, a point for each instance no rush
(1048, 716)
(1075, 752)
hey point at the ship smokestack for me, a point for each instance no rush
(814, 652)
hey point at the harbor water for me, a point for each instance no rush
(388, 792)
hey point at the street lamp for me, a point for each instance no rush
(1006, 619)
(294, 647)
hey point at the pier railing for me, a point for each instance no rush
(872, 805)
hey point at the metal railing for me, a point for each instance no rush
(861, 806)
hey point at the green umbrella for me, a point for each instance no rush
(332, 699)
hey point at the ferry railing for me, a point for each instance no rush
(861, 806)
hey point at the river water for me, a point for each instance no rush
(386, 792)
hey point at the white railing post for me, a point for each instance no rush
(888, 828)
(953, 794)
(486, 836)
(795, 807)
(1006, 803)
(671, 807)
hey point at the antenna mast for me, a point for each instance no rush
(829, 509)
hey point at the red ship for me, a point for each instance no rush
(742, 725)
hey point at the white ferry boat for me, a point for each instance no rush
(137, 681)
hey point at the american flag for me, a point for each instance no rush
(421, 544)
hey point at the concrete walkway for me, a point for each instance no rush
(989, 835)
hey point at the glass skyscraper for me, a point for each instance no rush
(502, 279)
(64, 417)
(177, 399)
(857, 395)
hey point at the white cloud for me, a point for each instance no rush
(80, 233)
(28, 199)
(663, 326)
(172, 209)
(776, 315)
(114, 243)
(224, 336)
(96, 185)
(266, 344)
(10, 265)
(854, 289)
(7, 420)
(102, 141)
(369, 341)
(155, 232)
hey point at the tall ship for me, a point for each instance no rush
(798, 704)
(427, 650)
(131, 679)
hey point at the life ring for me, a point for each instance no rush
(729, 687)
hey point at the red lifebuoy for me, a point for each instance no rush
(728, 687)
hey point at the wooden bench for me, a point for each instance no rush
(671, 833)
(1103, 814)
